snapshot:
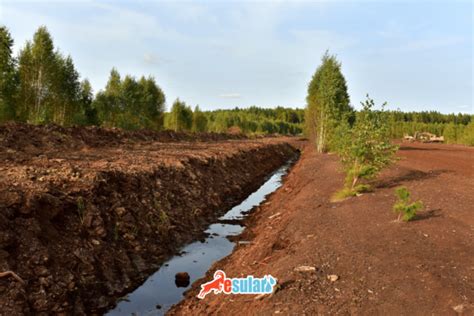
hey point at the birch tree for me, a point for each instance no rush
(327, 102)
(37, 68)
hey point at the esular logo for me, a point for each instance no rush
(248, 285)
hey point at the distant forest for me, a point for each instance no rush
(42, 86)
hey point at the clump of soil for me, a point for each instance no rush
(182, 279)
(86, 214)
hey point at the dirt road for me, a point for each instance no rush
(424, 267)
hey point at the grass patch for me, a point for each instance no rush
(348, 192)
(343, 194)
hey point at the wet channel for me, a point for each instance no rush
(159, 292)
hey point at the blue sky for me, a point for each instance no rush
(416, 55)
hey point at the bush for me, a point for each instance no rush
(365, 149)
(403, 207)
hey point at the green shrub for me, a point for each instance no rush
(403, 207)
(365, 148)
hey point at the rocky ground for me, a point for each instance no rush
(361, 261)
(86, 214)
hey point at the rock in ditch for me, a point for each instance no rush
(181, 279)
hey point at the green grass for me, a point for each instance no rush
(350, 192)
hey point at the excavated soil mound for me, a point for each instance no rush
(86, 214)
(24, 137)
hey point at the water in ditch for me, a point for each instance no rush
(159, 292)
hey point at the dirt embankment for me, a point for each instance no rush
(424, 267)
(88, 214)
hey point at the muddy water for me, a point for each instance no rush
(159, 292)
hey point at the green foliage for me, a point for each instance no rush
(365, 149)
(256, 120)
(129, 104)
(88, 114)
(180, 118)
(431, 117)
(8, 76)
(454, 127)
(45, 87)
(49, 87)
(403, 207)
(467, 137)
(343, 194)
(327, 102)
(39, 66)
(199, 120)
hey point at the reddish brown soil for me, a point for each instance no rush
(424, 267)
(86, 214)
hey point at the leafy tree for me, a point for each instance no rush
(152, 100)
(8, 76)
(364, 149)
(109, 102)
(403, 205)
(199, 120)
(88, 114)
(65, 106)
(327, 102)
(37, 70)
(181, 117)
(131, 104)
(49, 83)
(130, 113)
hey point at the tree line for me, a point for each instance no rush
(252, 120)
(456, 128)
(41, 85)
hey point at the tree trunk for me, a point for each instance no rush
(321, 137)
(354, 181)
(38, 96)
